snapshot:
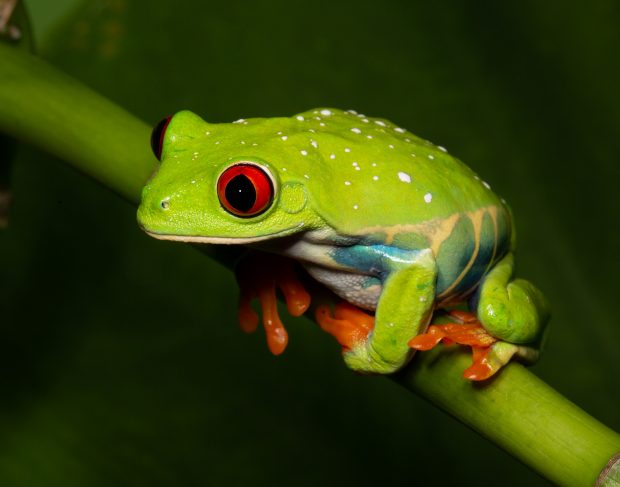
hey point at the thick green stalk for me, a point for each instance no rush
(516, 410)
(44, 107)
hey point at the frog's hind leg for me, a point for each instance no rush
(514, 311)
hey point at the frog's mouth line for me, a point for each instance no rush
(223, 240)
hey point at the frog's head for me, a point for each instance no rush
(213, 186)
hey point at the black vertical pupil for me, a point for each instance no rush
(241, 193)
(157, 136)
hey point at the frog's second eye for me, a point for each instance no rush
(245, 190)
(157, 136)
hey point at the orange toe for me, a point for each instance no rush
(463, 316)
(248, 318)
(429, 340)
(481, 369)
(259, 275)
(472, 335)
(349, 324)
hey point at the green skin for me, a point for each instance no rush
(386, 220)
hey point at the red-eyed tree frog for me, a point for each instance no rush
(392, 224)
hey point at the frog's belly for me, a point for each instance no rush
(357, 289)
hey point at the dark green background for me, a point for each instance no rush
(121, 361)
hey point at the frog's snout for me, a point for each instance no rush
(152, 209)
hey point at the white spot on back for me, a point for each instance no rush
(332, 156)
(347, 183)
(303, 152)
(404, 177)
(346, 149)
(442, 149)
(327, 113)
(375, 178)
(355, 130)
(399, 130)
(380, 123)
(486, 185)
(284, 137)
(431, 157)
(428, 197)
(314, 144)
(355, 207)
(300, 118)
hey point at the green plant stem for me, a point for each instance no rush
(517, 411)
(44, 107)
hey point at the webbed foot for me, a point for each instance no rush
(489, 354)
(349, 325)
(258, 275)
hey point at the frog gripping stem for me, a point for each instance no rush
(467, 331)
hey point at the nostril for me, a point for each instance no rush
(165, 203)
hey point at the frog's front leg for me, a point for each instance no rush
(404, 310)
(259, 275)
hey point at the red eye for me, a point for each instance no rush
(157, 136)
(245, 190)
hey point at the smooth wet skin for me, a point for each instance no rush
(389, 222)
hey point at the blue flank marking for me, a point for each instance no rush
(374, 260)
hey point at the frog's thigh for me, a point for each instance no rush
(511, 310)
(404, 309)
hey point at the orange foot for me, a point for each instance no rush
(258, 275)
(349, 325)
(468, 331)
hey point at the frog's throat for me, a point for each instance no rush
(225, 240)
